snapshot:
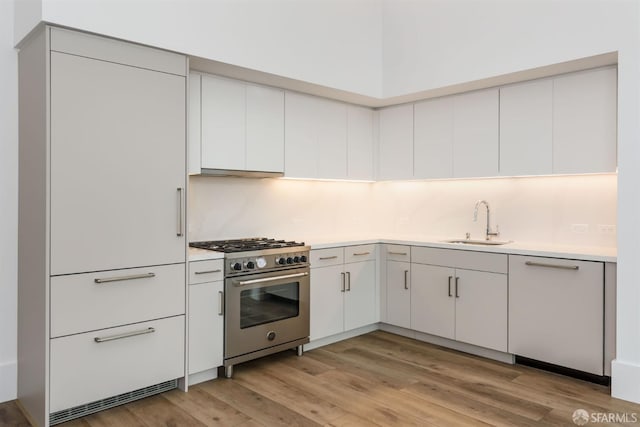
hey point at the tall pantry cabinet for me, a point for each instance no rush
(101, 294)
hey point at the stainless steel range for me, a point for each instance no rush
(266, 297)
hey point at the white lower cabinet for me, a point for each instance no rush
(556, 311)
(206, 316)
(433, 308)
(99, 364)
(399, 293)
(343, 289)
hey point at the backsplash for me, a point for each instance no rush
(571, 210)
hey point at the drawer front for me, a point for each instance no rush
(359, 253)
(470, 260)
(83, 370)
(325, 257)
(92, 301)
(206, 271)
(398, 253)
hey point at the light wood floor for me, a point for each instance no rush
(375, 379)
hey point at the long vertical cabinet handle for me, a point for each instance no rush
(343, 285)
(450, 277)
(348, 281)
(457, 280)
(220, 303)
(180, 213)
(406, 281)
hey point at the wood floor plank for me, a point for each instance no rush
(257, 406)
(11, 415)
(158, 411)
(297, 399)
(206, 408)
(118, 416)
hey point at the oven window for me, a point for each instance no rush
(269, 304)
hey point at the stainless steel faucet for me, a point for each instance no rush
(475, 219)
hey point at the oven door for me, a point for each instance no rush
(265, 310)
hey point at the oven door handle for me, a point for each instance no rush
(269, 279)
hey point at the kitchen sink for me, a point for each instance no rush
(479, 242)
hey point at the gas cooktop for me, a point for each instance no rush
(244, 245)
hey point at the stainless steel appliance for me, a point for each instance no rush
(266, 297)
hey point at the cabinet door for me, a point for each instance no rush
(556, 311)
(433, 300)
(360, 296)
(265, 129)
(327, 301)
(331, 130)
(433, 139)
(360, 143)
(223, 123)
(206, 326)
(526, 128)
(117, 159)
(585, 122)
(195, 123)
(399, 293)
(300, 137)
(395, 159)
(481, 309)
(475, 134)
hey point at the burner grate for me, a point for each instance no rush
(244, 245)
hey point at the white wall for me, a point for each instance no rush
(8, 202)
(334, 43)
(535, 210)
(435, 43)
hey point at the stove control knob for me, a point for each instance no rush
(303, 258)
(251, 265)
(280, 261)
(289, 260)
(261, 262)
(296, 259)
(236, 266)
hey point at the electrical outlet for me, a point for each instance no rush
(606, 229)
(579, 228)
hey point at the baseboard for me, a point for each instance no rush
(341, 336)
(625, 381)
(8, 381)
(200, 377)
(452, 344)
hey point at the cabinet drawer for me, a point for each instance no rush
(470, 260)
(398, 253)
(83, 370)
(87, 302)
(324, 257)
(359, 253)
(206, 271)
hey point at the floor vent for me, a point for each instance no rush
(109, 402)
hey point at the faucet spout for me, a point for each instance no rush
(489, 232)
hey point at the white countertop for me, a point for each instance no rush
(196, 254)
(587, 253)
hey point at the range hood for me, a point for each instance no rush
(240, 173)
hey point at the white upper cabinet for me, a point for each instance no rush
(235, 126)
(475, 134)
(526, 138)
(433, 139)
(265, 129)
(223, 123)
(327, 139)
(584, 122)
(396, 143)
(360, 143)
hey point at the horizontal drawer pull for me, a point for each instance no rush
(361, 253)
(122, 278)
(125, 335)
(397, 253)
(208, 271)
(544, 264)
(322, 258)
